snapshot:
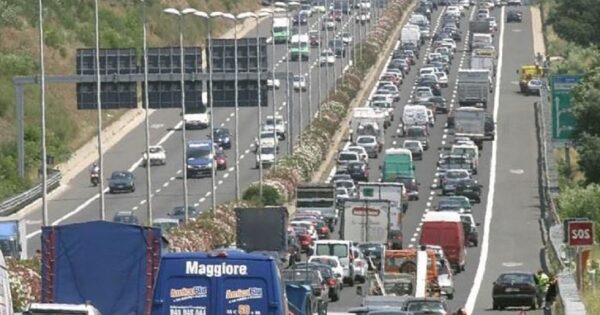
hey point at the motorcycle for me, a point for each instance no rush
(94, 179)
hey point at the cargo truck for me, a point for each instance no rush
(264, 230)
(365, 221)
(470, 122)
(320, 197)
(483, 63)
(474, 87)
(366, 121)
(281, 29)
(411, 33)
(394, 193)
(12, 238)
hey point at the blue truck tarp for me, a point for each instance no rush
(298, 297)
(110, 265)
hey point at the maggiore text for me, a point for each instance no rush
(218, 270)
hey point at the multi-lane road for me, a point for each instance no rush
(79, 202)
(509, 210)
(508, 213)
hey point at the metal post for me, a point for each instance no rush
(290, 131)
(147, 122)
(236, 117)
(43, 112)
(354, 20)
(98, 100)
(327, 43)
(212, 119)
(273, 75)
(301, 126)
(320, 98)
(260, 166)
(20, 113)
(183, 127)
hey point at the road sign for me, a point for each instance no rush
(563, 122)
(581, 233)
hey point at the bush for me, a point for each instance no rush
(270, 197)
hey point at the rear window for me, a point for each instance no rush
(348, 157)
(515, 278)
(339, 250)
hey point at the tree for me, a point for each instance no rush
(576, 21)
(578, 202)
(589, 157)
(586, 107)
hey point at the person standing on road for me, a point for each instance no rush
(551, 292)
(542, 281)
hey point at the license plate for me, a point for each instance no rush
(512, 290)
(468, 190)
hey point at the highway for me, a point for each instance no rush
(79, 202)
(509, 233)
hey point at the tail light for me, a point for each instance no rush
(324, 230)
(359, 264)
(332, 282)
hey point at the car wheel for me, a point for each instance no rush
(495, 305)
(450, 296)
(351, 281)
(110, 191)
(335, 297)
(132, 188)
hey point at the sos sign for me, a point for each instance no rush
(581, 233)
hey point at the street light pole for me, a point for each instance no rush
(271, 12)
(43, 113)
(147, 122)
(210, 103)
(319, 74)
(300, 73)
(98, 100)
(327, 41)
(183, 128)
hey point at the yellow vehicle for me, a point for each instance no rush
(526, 74)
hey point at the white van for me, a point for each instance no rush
(470, 150)
(5, 295)
(481, 40)
(341, 249)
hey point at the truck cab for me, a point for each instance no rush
(219, 282)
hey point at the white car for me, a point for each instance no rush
(341, 194)
(266, 156)
(431, 117)
(415, 147)
(365, 16)
(442, 79)
(454, 11)
(386, 107)
(273, 83)
(445, 278)
(450, 42)
(423, 94)
(299, 83)
(196, 120)
(267, 139)
(327, 57)
(362, 153)
(158, 156)
(319, 9)
(333, 262)
(361, 268)
(347, 38)
(306, 10)
(364, 4)
(370, 144)
(348, 184)
(382, 97)
(278, 124)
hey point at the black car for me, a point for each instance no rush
(314, 280)
(514, 289)
(490, 127)
(411, 185)
(126, 217)
(300, 19)
(470, 189)
(419, 133)
(222, 137)
(179, 214)
(358, 171)
(426, 306)
(121, 181)
(514, 16)
(427, 82)
(331, 280)
(441, 107)
(338, 47)
(410, 46)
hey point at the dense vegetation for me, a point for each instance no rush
(68, 25)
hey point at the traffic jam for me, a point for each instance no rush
(409, 163)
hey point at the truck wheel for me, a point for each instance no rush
(351, 281)
(450, 296)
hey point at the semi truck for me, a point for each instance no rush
(320, 197)
(111, 266)
(263, 229)
(474, 87)
(281, 30)
(366, 221)
(470, 122)
(480, 62)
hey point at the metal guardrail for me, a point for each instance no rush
(551, 222)
(16, 203)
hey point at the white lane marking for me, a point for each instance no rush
(220, 182)
(134, 208)
(202, 199)
(143, 202)
(242, 156)
(225, 175)
(178, 171)
(489, 209)
(517, 171)
(196, 204)
(231, 169)
(158, 190)
(172, 178)
(208, 193)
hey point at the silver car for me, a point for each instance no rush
(370, 144)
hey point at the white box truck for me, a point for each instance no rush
(365, 221)
(474, 87)
(470, 122)
(393, 192)
(411, 33)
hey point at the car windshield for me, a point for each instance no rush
(348, 157)
(416, 132)
(456, 174)
(422, 306)
(515, 278)
(124, 218)
(411, 144)
(355, 166)
(221, 133)
(470, 152)
(338, 250)
(267, 150)
(345, 183)
(424, 93)
(119, 175)
(298, 78)
(341, 191)
(155, 150)
(365, 140)
(266, 135)
(323, 260)
(198, 152)
(179, 211)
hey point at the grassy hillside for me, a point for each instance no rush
(69, 24)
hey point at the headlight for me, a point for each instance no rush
(209, 164)
(226, 139)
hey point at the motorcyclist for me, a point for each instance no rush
(94, 169)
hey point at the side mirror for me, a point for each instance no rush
(477, 224)
(359, 290)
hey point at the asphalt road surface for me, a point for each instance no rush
(509, 233)
(80, 201)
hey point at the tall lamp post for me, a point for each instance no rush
(327, 17)
(300, 73)
(287, 6)
(43, 112)
(232, 18)
(179, 15)
(256, 18)
(98, 101)
(147, 121)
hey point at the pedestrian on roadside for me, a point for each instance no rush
(551, 292)
(541, 281)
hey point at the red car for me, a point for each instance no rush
(315, 39)
(304, 238)
(221, 160)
